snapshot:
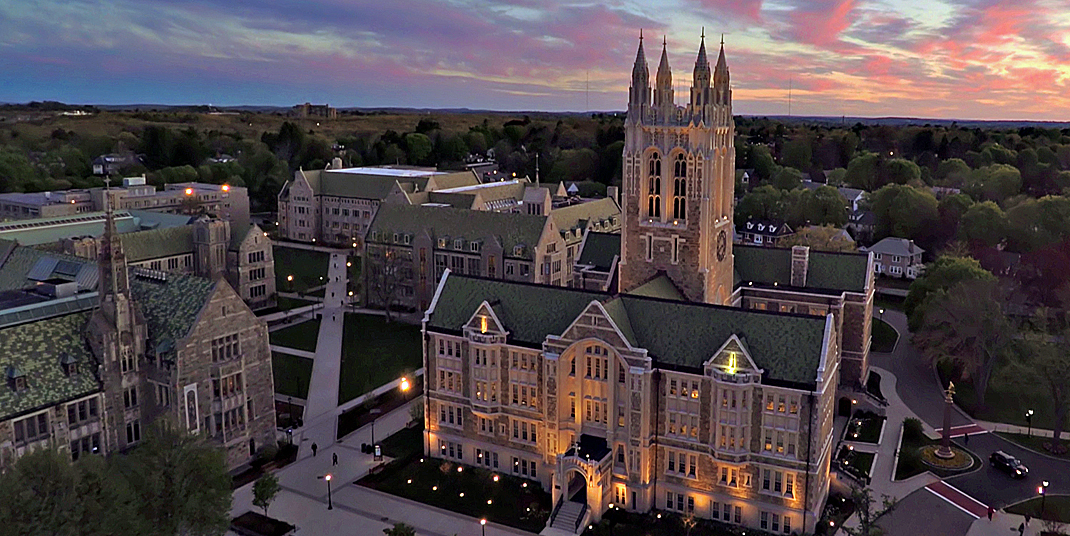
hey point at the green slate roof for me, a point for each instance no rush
(529, 312)
(827, 271)
(599, 250)
(453, 200)
(787, 346)
(157, 243)
(47, 230)
(171, 307)
(511, 229)
(35, 349)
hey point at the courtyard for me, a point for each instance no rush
(375, 352)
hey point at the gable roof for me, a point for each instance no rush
(511, 229)
(827, 270)
(157, 243)
(788, 346)
(171, 307)
(35, 349)
(896, 246)
(766, 227)
(599, 250)
(578, 216)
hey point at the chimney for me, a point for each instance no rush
(800, 262)
(613, 192)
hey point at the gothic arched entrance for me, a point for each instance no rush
(577, 487)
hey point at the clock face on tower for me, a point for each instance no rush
(722, 245)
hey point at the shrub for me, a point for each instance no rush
(912, 430)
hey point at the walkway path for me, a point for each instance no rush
(322, 401)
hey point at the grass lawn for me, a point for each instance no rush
(864, 427)
(1007, 399)
(1056, 508)
(375, 352)
(292, 374)
(404, 443)
(473, 492)
(298, 336)
(855, 462)
(307, 268)
(1037, 443)
(884, 336)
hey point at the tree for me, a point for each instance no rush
(763, 202)
(400, 529)
(820, 238)
(868, 512)
(37, 495)
(900, 171)
(265, 490)
(966, 325)
(862, 172)
(984, 223)
(952, 172)
(763, 162)
(788, 178)
(106, 504)
(386, 272)
(170, 464)
(941, 275)
(418, 147)
(904, 212)
(994, 183)
(825, 206)
(796, 154)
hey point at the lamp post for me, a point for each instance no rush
(330, 502)
(1043, 497)
(882, 313)
(1029, 422)
(483, 525)
(609, 514)
(374, 412)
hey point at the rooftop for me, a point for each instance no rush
(827, 271)
(787, 346)
(388, 172)
(450, 223)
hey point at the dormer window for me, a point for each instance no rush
(16, 379)
(408, 239)
(458, 244)
(441, 242)
(69, 363)
(518, 250)
(474, 246)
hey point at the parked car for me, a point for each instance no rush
(1008, 464)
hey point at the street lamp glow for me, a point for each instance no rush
(482, 521)
(328, 478)
(189, 191)
(405, 387)
(495, 478)
(349, 264)
(226, 187)
(290, 278)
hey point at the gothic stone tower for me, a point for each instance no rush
(679, 179)
(117, 335)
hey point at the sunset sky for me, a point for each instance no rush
(977, 59)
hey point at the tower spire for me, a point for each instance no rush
(663, 94)
(114, 278)
(640, 88)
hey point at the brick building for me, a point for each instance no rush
(704, 384)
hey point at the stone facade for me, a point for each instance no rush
(679, 178)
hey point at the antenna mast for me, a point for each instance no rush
(789, 96)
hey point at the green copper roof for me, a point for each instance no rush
(787, 346)
(157, 243)
(658, 287)
(35, 349)
(171, 307)
(827, 271)
(599, 250)
(511, 229)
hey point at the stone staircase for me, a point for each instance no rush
(568, 517)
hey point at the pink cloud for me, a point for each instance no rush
(821, 21)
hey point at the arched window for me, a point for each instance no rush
(679, 188)
(653, 209)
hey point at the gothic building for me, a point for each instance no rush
(94, 352)
(704, 385)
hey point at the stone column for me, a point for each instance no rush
(945, 444)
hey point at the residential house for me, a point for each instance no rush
(897, 257)
(760, 232)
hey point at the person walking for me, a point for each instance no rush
(990, 512)
(334, 458)
(1021, 529)
(1027, 518)
(315, 447)
(966, 439)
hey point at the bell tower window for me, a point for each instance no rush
(654, 189)
(679, 188)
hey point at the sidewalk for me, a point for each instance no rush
(1004, 524)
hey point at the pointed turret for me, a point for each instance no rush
(700, 82)
(721, 78)
(663, 93)
(114, 277)
(639, 93)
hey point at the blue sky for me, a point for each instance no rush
(982, 59)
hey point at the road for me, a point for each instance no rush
(917, 387)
